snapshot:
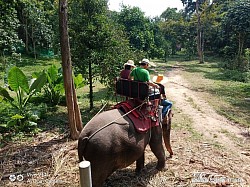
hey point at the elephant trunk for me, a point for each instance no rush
(81, 146)
(166, 128)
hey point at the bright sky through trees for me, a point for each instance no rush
(151, 8)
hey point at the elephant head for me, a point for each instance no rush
(110, 142)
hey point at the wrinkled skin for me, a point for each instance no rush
(118, 145)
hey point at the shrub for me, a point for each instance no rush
(22, 118)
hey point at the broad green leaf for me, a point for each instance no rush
(17, 116)
(78, 80)
(3, 125)
(59, 88)
(52, 72)
(16, 79)
(36, 74)
(5, 94)
(11, 123)
(38, 83)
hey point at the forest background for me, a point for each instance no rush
(204, 50)
(101, 41)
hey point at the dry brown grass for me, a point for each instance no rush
(54, 162)
(50, 160)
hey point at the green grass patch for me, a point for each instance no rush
(227, 96)
(181, 121)
(29, 65)
(191, 101)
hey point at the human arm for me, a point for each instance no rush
(151, 83)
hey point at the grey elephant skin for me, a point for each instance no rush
(110, 142)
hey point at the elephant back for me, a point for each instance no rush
(107, 120)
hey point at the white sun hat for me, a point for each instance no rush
(146, 61)
(130, 63)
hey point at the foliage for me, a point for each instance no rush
(138, 28)
(247, 58)
(237, 23)
(24, 119)
(171, 14)
(98, 46)
(236, 75)
(54, 86)
(36, 28)
(9, 24)
(190, 6)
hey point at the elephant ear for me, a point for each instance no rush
(17, 79)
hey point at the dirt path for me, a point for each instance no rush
(208, 149)
(223, 147)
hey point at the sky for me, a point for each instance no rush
(151, 8)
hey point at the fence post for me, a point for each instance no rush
(85, 174)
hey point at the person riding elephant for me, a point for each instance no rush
(167, 105)
(141, 73)
(128, 66)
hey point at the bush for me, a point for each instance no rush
(54, 86)
(236, 75)
(22, 117)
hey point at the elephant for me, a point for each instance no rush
(110, 142)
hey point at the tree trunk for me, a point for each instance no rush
(240, 51)
(77, 111)
(33, 40)
(67, 72)
(199, 35)
(91, 102)
(26, 36)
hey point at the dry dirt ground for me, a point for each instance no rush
(208, 150)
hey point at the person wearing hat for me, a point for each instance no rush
(160, 80)
(128, 66)
(141, 73)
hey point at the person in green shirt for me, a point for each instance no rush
(141, 73)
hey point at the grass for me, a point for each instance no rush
(225, 95)
(182, 121)
(55, 118)
(58, 156)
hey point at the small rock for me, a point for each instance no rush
(191, 161)
(245, 153)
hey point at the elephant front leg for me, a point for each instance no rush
(140, 163)
(157, 147)
(160, 155)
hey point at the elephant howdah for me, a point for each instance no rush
(110, 141)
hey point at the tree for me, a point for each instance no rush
(35, 25)
(237, 21)
(139, 28)
(171, 14)
(75, 122)
(200, 7)
(99, 48)
(173, 28)
(9, 40)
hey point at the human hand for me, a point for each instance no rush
(157, 86)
